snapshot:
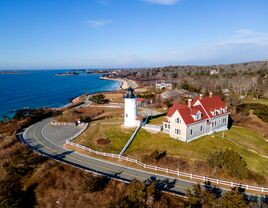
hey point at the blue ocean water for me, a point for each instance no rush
(33, 89)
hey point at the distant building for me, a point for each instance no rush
(141, 102)
(214, 71)
(202, 116)
(163, 85)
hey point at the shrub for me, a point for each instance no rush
(94, 183)
(99, 99)
(230, 162)
(156, 155)
(233, 199)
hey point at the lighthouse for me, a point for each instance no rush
(130, 112)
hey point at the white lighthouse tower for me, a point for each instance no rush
(130, 113)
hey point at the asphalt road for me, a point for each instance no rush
(44, 143)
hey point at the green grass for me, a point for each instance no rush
(261, 101)
(198, 149)
(157, 121)
(117, 135)
(247, 138)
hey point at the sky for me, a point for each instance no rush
(59, 34)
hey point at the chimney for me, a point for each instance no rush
(200, 96)
(210, 94)
(190, 103)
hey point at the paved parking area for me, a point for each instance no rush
(60, 133)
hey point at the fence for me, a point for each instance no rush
(172, 172)
(62, 123)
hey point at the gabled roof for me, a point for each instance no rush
(211, 104)
(186, 114)
(207, 105)
(140, 99)
(175, 107)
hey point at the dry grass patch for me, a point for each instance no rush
(114, 135)
(115, 97)
(84, 114)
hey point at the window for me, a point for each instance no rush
(178, 120)
(177, 131)
(201, 128)
(169, 126)
(165, 126)
(215, 123)
(191, 132)
(126, 115)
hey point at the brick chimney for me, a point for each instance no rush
(190, 103)
(210, 94)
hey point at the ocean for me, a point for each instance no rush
(34, 89)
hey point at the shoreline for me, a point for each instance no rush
(124, 83)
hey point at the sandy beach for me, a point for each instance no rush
(125, 83)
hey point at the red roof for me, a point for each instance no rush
(140, 99)
(209, 104)
(175, 107)
(186, 114)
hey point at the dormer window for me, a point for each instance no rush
(197, 116)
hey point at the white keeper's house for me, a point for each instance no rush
(202, 116)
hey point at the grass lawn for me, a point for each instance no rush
(261, 101)
(247, 138)
(157, 121)
(199, 149)
(116, 136)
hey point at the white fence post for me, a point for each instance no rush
(178, 173)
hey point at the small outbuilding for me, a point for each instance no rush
(140, 102)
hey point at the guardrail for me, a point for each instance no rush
(169, 171)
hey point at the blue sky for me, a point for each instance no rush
(51, 34)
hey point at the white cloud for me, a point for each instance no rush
(162, 2)
(98, 23)
(245, 37)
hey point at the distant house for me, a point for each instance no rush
(202, 116)
(140, 102)
(163, 85)
(214, 71)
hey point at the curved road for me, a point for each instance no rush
(53, 147)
